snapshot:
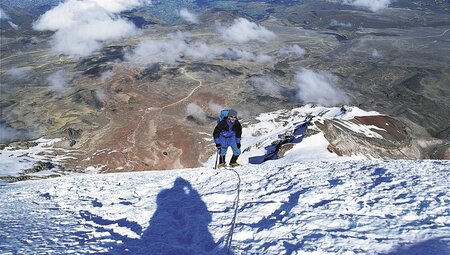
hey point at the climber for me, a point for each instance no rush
(228, 132)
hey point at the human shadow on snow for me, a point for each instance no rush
(179, 226)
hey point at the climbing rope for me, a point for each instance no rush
(236, 207)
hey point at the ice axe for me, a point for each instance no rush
(217, 157)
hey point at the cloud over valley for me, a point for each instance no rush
(81, 26)
(319, 87)
(59, 81)
(196, 112)
(243, 30)
(266, 86)
(19, 73)
(188, 16)
(181, 46)
(373, 5)
(293, 50)
(3, 14)
(9, 134)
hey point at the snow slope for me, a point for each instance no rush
(338, 207)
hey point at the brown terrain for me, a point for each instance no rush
(145, 133)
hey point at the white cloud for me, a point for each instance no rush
(266, 86)
(9, 134)
(154, 51)
(215, 108)
(106, 75)
(14, 26)
(116, 6)
(59, 81)
(19, 72)
(197, 112)
(180, 47)
(242, 31)
(263, 58)
(236, 54)
(373, 5)
(340, 24)
(319, 87)
(81, 26)
(3, 14)
(188, 16)
(376, 54)
(5, 88)
(293, 50)
(100, 95)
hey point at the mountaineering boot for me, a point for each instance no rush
(220, 165)
(221, 162)
(233, 162)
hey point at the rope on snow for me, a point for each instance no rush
(236, 207)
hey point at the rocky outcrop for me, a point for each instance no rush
(22, 145)
(73, 135)
(389, 139)
(40, 166)
(441, 152)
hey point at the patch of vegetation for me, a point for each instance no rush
(134, 100)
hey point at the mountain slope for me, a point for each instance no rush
(307, 133)
(349, 207)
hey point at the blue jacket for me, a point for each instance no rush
(227, 133)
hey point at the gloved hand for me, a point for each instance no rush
(218, 146)
(238, 145)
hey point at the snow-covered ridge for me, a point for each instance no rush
(335, 133)
(14, 160)
(349, 207)
(314, 146)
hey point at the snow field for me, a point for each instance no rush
(350, 207)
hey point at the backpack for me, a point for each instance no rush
(224, 114)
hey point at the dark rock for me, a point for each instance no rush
(210, 68)
(311, 132)
(195, 120)
(96, 64)
(6, 103)
(97, 70)
(26, 177)
(40, 166)
(74, 133)
(15, 178)
(339, 37)
(441, 152)
(138, 21)
(152, 72)
(284, 148)
(22, 145)
(88, 97)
